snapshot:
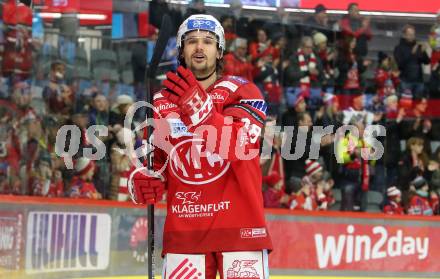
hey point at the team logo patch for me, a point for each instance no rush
(258, 104)
(201, 24)
(191, 166)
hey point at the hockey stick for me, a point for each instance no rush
(159, 48)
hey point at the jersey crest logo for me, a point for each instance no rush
(191, 166)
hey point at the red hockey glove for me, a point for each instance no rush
(184, 90)
(145, 189)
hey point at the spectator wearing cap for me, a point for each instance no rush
(118, 112)
(327, 57)
(81, 184)
(274, 195)
(58, 96)
(303, 75)
(394, 205)
(410, 55)
(236, 62)
(434, 41)
(358, 27)
(318, 22)
(330, 113)
(419, 203)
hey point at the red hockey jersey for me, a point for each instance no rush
(214, 202)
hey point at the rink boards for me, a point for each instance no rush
(66, 238)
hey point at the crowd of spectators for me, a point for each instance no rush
(310, 74)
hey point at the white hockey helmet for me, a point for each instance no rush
(202, 22)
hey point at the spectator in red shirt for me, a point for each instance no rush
(419, 203)
(263, 48)
(82, 185)
(394, 206)
(354, 25)
(304, 199)
(387, 76)
(59, 97)
(236, 62)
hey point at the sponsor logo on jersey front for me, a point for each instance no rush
(192, 166)
(186, 206)
(165, 107)
(219, 96)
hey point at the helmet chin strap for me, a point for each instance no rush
(206, 77)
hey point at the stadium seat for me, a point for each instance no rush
(103, 58)
(109, 74)
(127, 77)
(375, 200)
(124, 60)
(81, 58)
(338, 197)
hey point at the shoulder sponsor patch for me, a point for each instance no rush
(239, 79)
(258, 104)
(227, 84)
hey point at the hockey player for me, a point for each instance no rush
(215, 211)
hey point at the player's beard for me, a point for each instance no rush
(202, 70)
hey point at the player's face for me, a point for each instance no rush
(200, 52)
